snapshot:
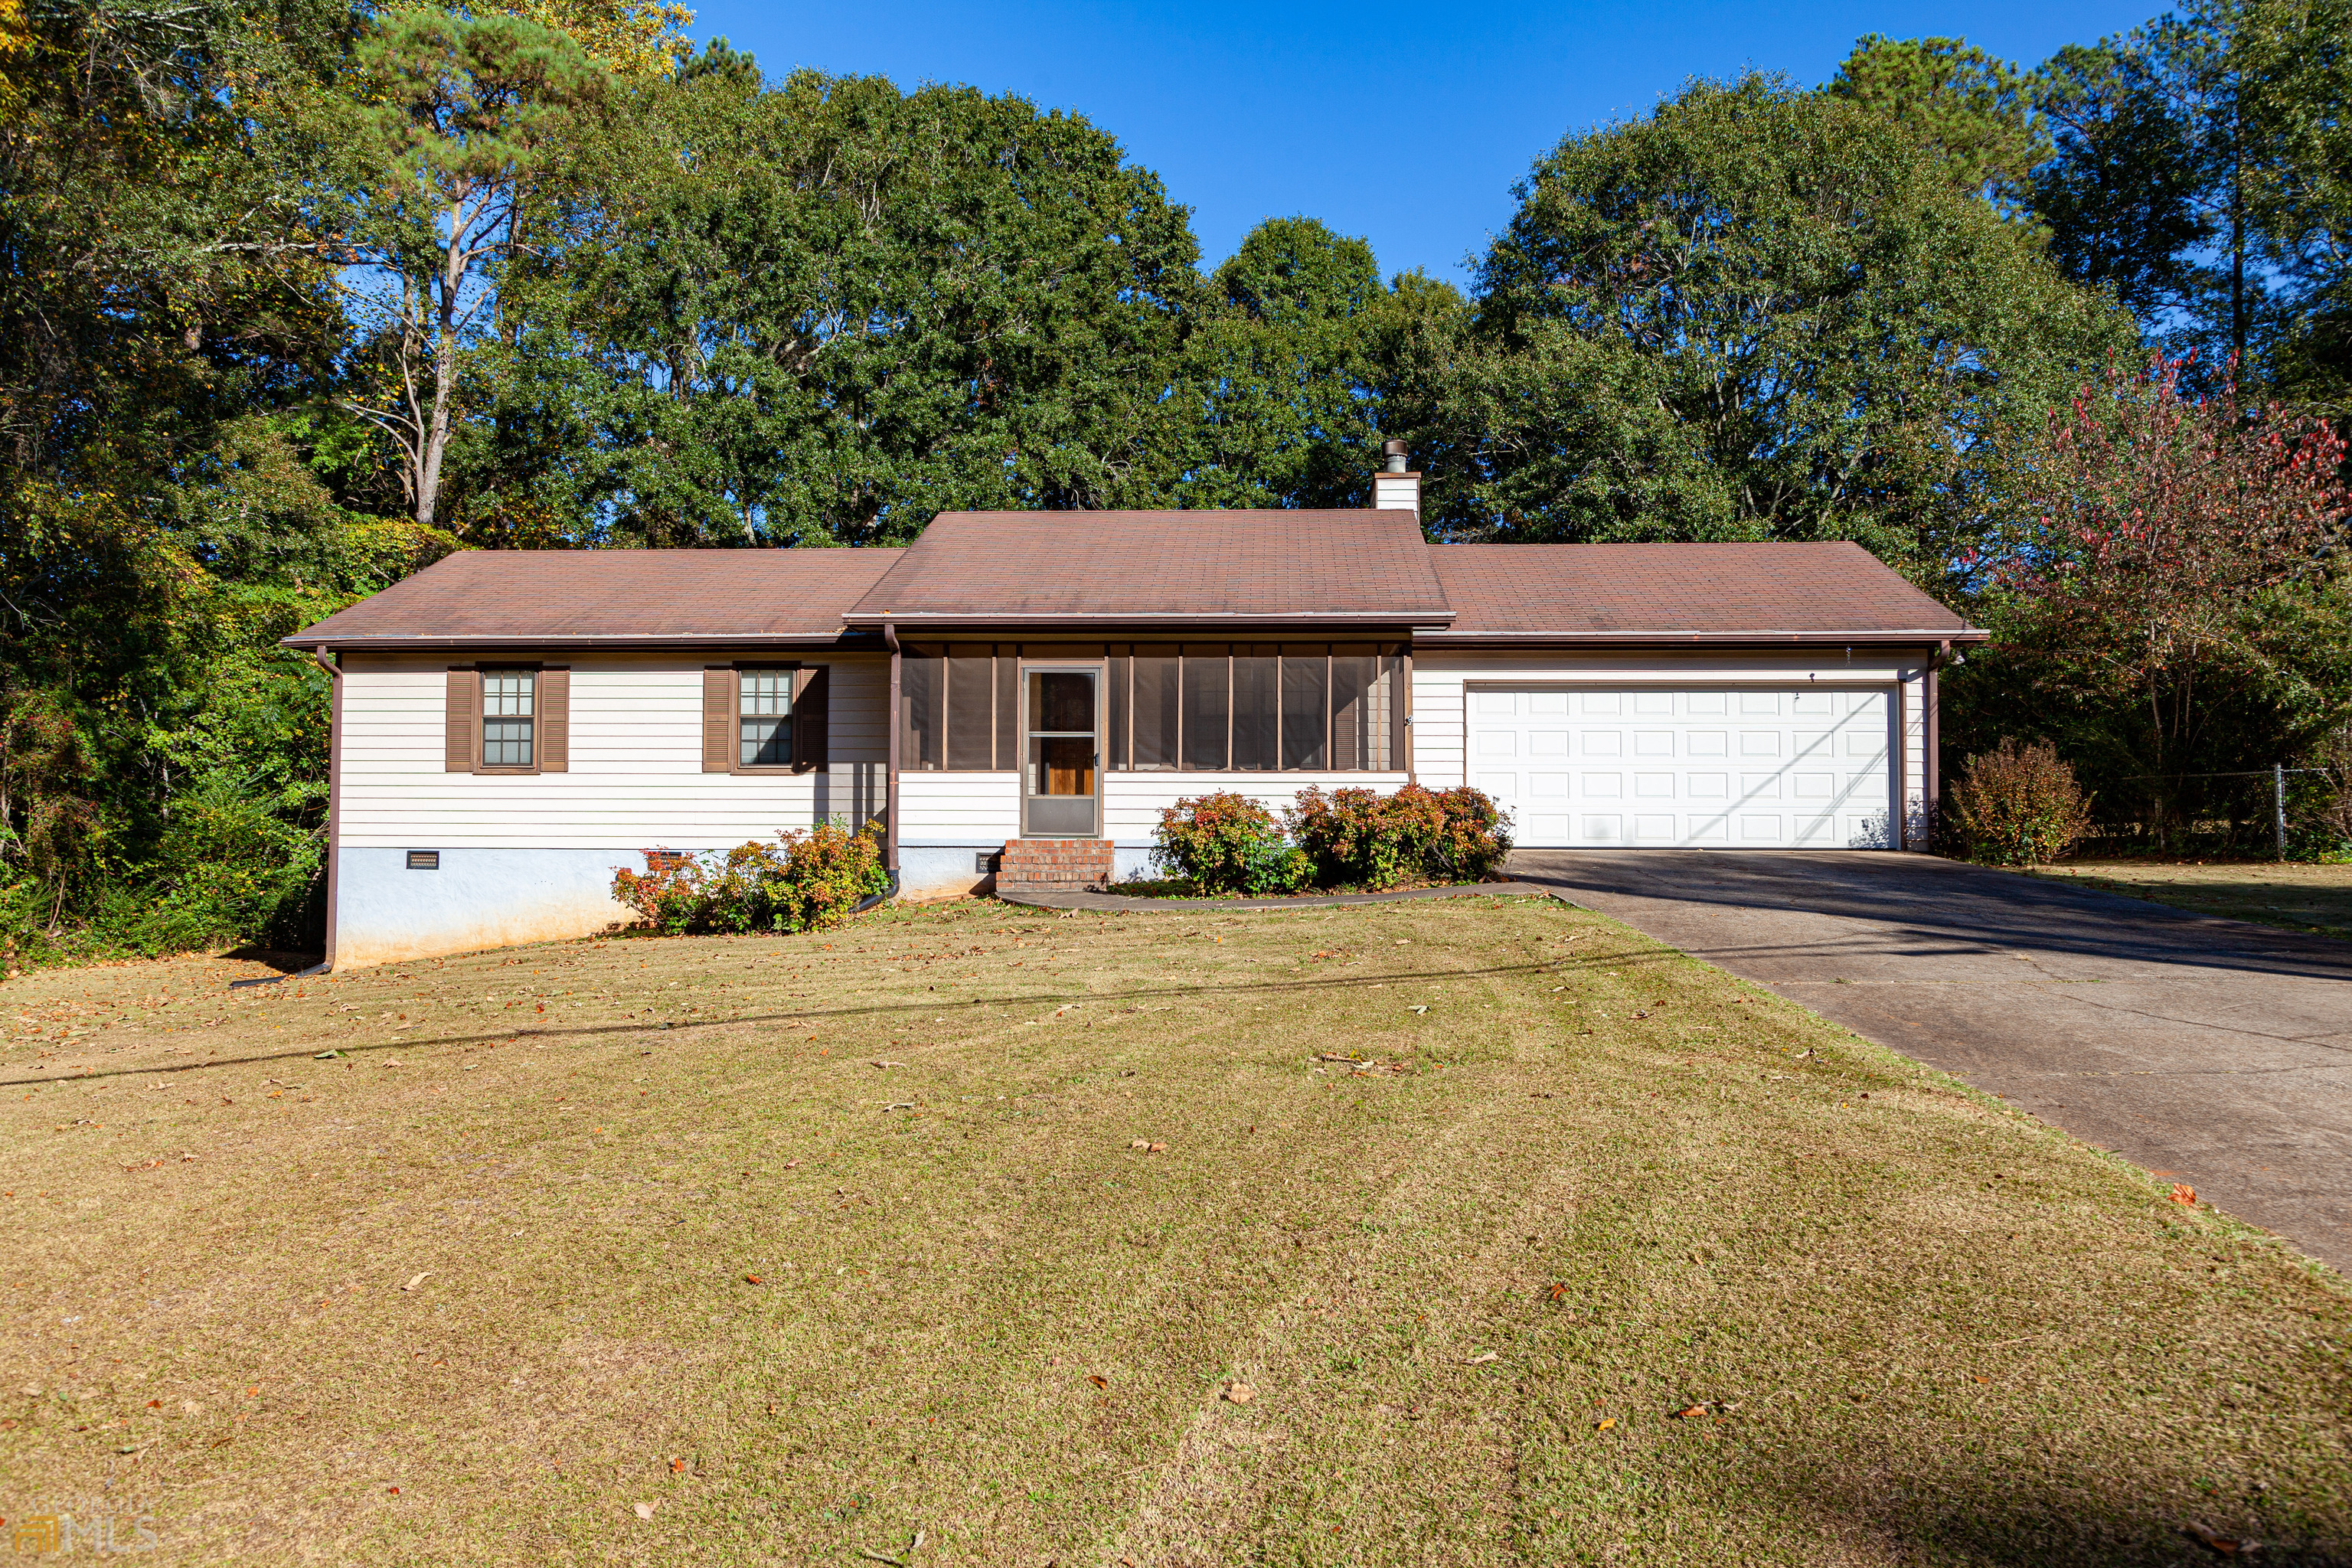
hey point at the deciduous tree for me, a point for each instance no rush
(1755, 313)
(2174, 579)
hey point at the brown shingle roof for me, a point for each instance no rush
(1707, 592)
(1204, 568)
(552, 598)
(1053, 568)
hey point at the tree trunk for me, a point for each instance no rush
(436, 433)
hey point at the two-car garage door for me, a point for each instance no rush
(1789, 767)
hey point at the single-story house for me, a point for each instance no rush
(511, 727)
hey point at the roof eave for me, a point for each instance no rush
(1903, 637)
(1417, 621)
(620, 643)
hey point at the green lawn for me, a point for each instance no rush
(1608, 1259)
(2297, 896)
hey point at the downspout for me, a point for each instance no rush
(334, 793)
(891, 782)
(1902, 760)
(1931, 695)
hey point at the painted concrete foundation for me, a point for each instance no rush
(947, 870)
(478, 898)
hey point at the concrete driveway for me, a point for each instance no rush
(2210, 1050)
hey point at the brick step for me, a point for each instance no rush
(1054, 863)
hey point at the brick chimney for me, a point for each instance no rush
(1396, 488)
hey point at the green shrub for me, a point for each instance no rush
(2018, 805)
(804, 881)
(1229, 845)
(1358, 839)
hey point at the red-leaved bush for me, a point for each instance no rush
(1357, 837)
(1227, 844)
(804, 881)
(2018, 805)
(2159, 564)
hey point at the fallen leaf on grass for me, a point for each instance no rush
(417, 1279)
(751, 1279)
(2227, 1546)
(2182, 1193)
(1688, 1411)
(1557, 1292)
(643, 1510)
(1417, 1009)
(1240, 1392)
(1098, 1380)
(676, 1466)
(1482, 1360)
(1603, 1426)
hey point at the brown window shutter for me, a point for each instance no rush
(810, 740)
(718, 720)
(460, 710)
(554, 725)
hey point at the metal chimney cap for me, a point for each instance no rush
(1397, 452)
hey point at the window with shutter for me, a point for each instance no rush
(509, 719)
(812, 743)
(763, 718)
(461, 706)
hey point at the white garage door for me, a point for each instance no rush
(1740, 767)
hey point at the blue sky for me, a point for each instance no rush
(1403, 124)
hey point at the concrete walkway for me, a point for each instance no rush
(1086, 900)
(2213, 1051)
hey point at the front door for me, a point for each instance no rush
(1061, 781)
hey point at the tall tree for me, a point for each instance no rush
(2118, 193)
(824, 312)
(460, 111)
(1975, 112)
(1760, 313)
(627, 38)
(1283, 369)
(2299, 55)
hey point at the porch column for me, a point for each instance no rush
(890, 779)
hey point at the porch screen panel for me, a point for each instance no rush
(1359, 721)
(1158, 701)
(1115, 744)
(1257, 708)
(1008, 705)
(970, 698)
(1395, 669)
(1208, 710)
(1306, 708)
(922, 682)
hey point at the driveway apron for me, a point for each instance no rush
(2212, 1051)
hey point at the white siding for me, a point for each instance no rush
(981, 808)
(635, 779)
(1440, 680)
(959, 808)
(1132, 801)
